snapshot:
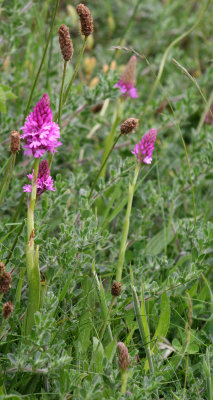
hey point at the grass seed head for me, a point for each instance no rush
(5, 280)
(7, 309)
(129, 126)
(65, 42)
(116, 289)
(86, 19)
(14, 142)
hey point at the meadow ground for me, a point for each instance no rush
(106, 256)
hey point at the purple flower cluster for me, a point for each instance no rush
(39, 131)
(44, 180)
(143, 150)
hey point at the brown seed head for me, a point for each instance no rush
(5, 280)
(116, 288)
(2, 268)
(65, 42)
(129, 125)
(7, 309)
(129, 74)
(14, 142)
(86, 19)
(123, 356)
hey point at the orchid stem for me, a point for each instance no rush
(126, 225)
(33, 274)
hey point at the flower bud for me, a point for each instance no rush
(129, 126)
(14, 142)
(65, 42)
(116, 288)
(7, 309)
(123, 356)
(86, 19)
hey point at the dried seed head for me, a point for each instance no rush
(2, 268)
(123, 356)
(5, 280)
(14, 142)
(116, 288)
(129, 125)
(7, 309)
(129, 74)
(65, 42)
(86, 19)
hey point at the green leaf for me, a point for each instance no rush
(163, 324)
(157, 244)
(98, 353)
(5, 93)
(110, 350)
(164, 321)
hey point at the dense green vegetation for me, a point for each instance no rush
(67, 349)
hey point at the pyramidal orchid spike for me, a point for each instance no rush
(40, 133)
(144, 149)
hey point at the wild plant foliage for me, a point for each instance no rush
(106, 200)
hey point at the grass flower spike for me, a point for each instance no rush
(44, 180)
(128, 79)
(143, 150)
(65, 42)
(40, 133)
(129, 126)
(14, 142)
(86, 19)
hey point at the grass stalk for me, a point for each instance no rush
(75, 71)
(110, 137)
(61, 93)
(125, 230)
(103, 165)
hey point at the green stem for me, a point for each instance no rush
(124, 378)
(32, 265)
(61, 93)
(103, 164)
(110, 137)
(42, 60)
(126, 225)
(75, 71)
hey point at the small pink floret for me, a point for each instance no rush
(127, 89)
(44, 180)
(143, 150)
(40, 133)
